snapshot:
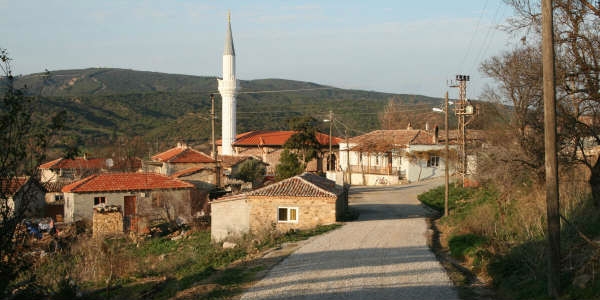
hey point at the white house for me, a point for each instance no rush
(392, 157)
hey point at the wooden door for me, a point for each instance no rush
(129, 219)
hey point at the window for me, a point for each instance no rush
(433, 161)
(59, 198)
(99, 200)
(287, 214)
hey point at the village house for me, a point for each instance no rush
(182, 159)
(69, 170)
(231, 167)
(299, 202)
(24, 195)
(144, 198)
(392, 157)
(268, 145)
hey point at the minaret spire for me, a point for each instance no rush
(228, 88)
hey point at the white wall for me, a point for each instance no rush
(229, 218)
(81, 206)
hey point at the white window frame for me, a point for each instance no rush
(433, 161)
(287, 217)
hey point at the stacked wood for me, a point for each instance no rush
(107, 220)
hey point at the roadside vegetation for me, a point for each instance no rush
(499, 235)
(183, 264)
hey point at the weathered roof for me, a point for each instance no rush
(55, 187)
(183, 154)
(191, 171)
(112, 182)
(304, 185)
(228, 161)
(13, 185)
(276, 138)
(75, 163)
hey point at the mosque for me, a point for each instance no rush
(264, 144)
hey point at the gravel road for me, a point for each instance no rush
(383, 255)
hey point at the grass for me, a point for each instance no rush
(157, 268)
(501, 237)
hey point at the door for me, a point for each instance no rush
(129, 219)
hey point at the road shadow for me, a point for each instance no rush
(356, 274)
(372, 212)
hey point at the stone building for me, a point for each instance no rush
(300, 202)
(268, 145)
(144, 197)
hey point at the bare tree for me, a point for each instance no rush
(24, 136)
(519, 77)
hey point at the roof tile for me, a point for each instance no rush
(111, 182)
(275, 138)
(304, 185)
(183, 155)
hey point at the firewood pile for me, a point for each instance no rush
(107, 220)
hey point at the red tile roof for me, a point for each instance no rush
(304, 185)
(76, 163)
(183, 154)
(112, 182)
(275, 138)
(13, 185)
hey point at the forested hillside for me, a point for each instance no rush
(108, 105)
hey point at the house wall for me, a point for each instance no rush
(47, 175)
(270, 155)
(31, 199)
(150, 204)
(311, 212)
(169, 168)
(229, 218)
(80, 206)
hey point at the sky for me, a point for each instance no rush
(401, 46)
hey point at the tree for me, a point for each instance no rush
(304, 142)
(398, 114)
(519, 77)
(24, 136)
(289, 165)
(250, 170)
(577, 44)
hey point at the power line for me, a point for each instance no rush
(473, 35)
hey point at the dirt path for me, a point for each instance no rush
(383, 255)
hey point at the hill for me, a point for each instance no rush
(106, 105)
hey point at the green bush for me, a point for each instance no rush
(466, 245)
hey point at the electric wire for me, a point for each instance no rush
(473, 36)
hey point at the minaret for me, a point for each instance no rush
(228, 87)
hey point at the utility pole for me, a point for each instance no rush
(213, 141)
(348, 171)
(330, 162)
(462, 109)
(552, 200)
(447, 158)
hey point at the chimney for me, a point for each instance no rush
(436, 132)
(85, 155)
(409, 127)
(427, 126)
(182, 145)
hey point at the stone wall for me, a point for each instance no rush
(311, 212)
(107, 221)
